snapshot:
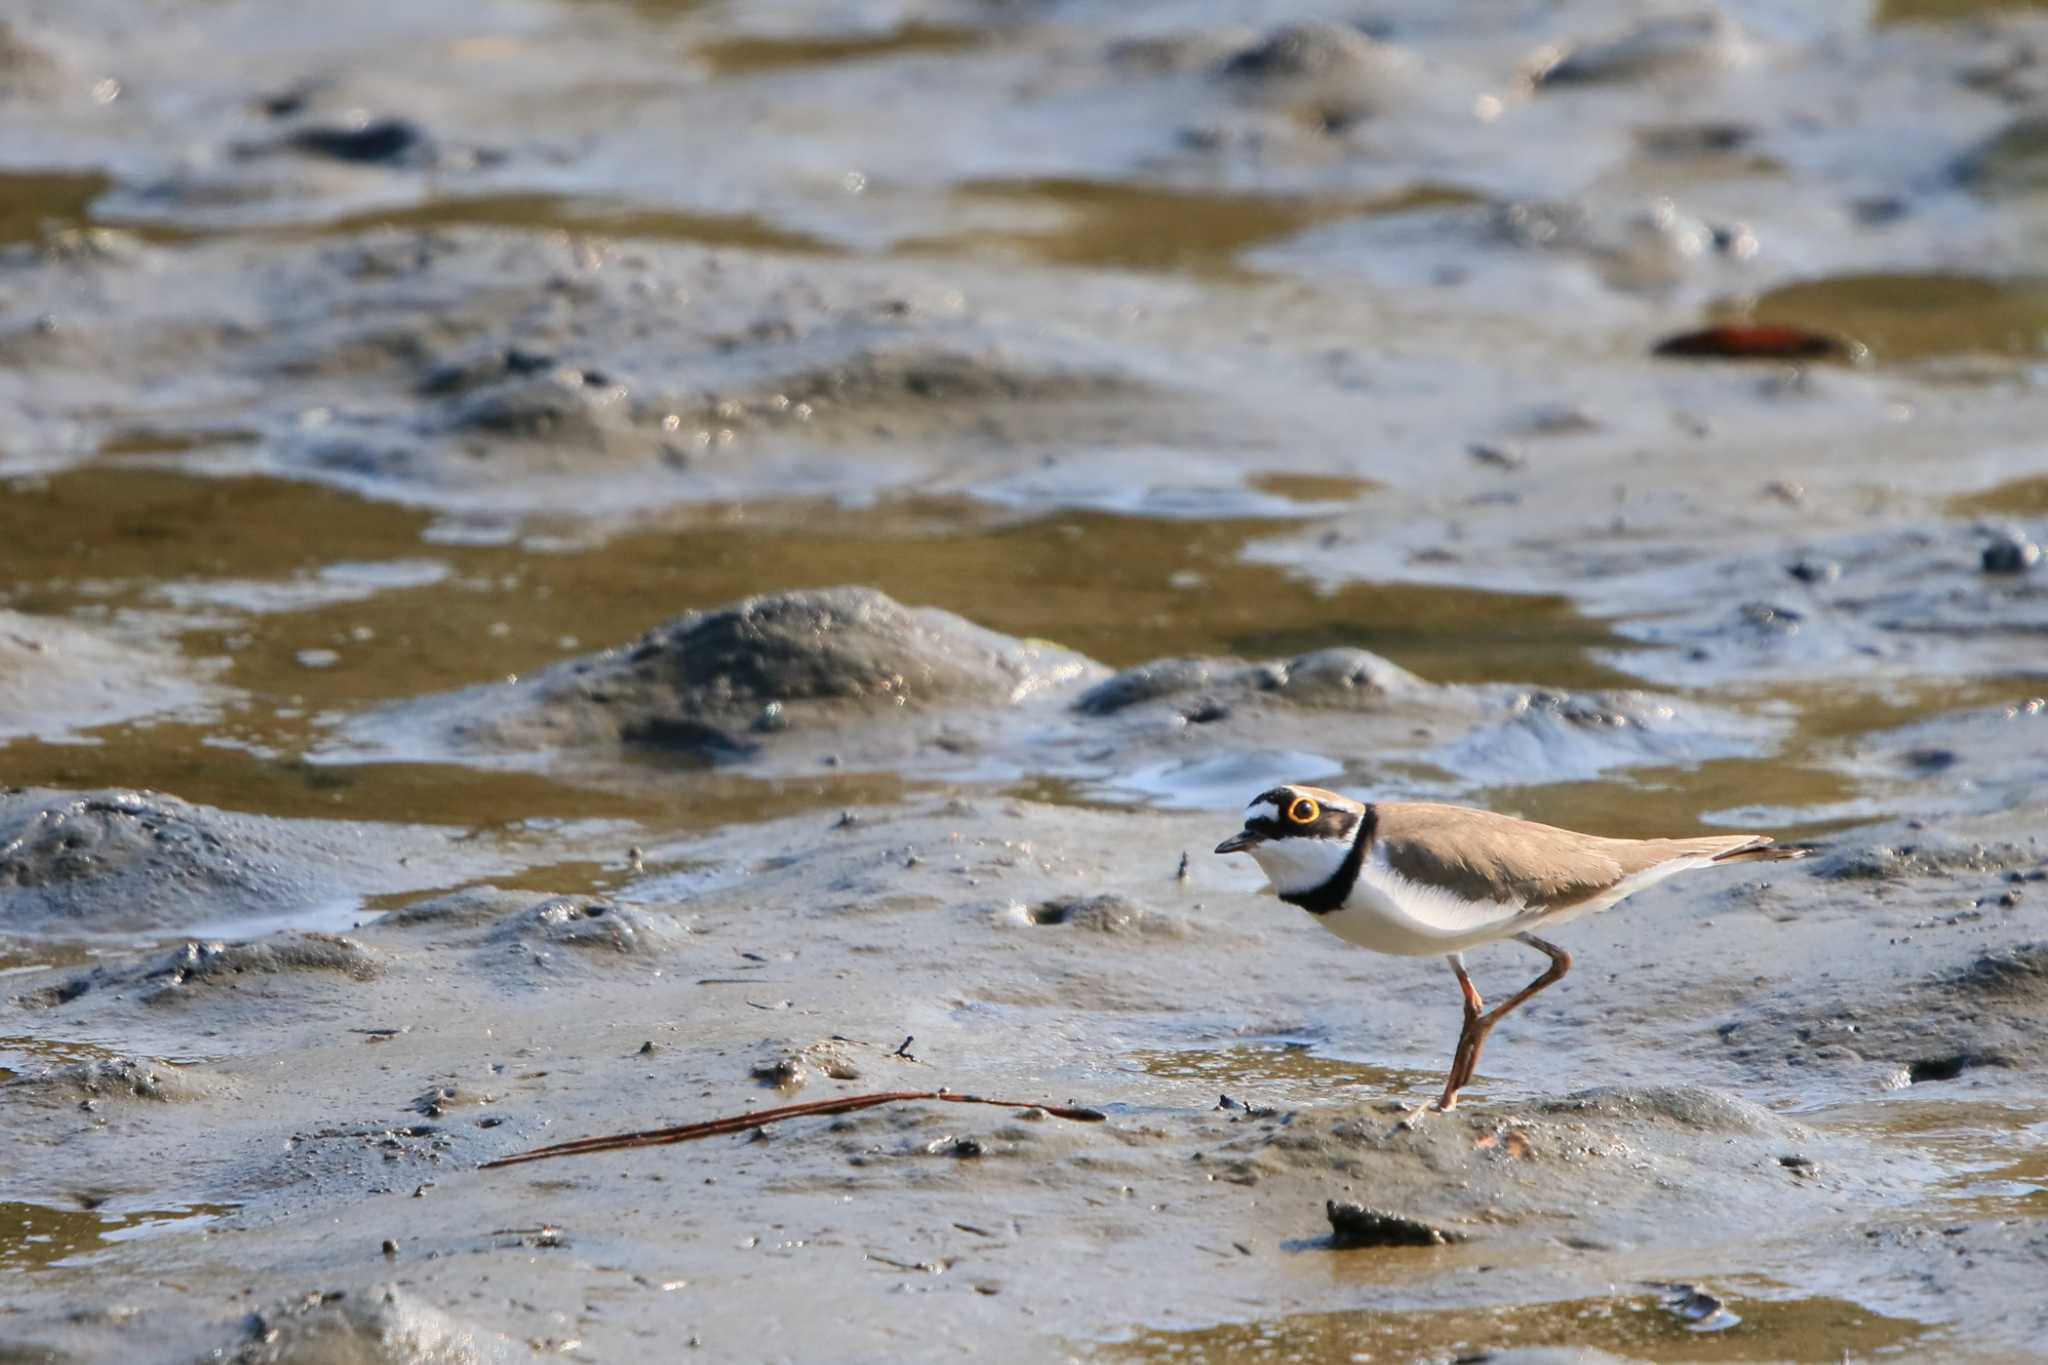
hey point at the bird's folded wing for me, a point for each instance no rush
(1486, 857)
(1479, 855)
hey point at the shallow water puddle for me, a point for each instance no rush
(1947, 11)
(21, 1048)
(748, 55)
(1122, 589)
(596, 878)
(41, 1237)
(30, 955)
(1917, 317)
(1280, 1070)
(1649, 803)
(527, 210)
(577, 214)
(178, 760)
(35, 202)
(20, 1051)
(1314, 488)
(1155, 227)
(1637, 1327)
(182, 761)
(1992, 1156)
(2020, 498)
(386, 603)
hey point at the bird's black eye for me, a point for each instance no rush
(1303, 811)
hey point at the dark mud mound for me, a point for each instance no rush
(590, 926)
(1692, 1108)
(2013, 979)
(1338, 71)
(489, 366)
(195, 969)
(719, 685)
(1625, 1159)
(1350, 678)
(389, 1326)
(1907, 859)
(1539, 735)
(131, 861)
(1960, 1024)
(2013, 160)
(458, 910)
(1480, 734)
(117, 1078)
(1694, 44)
(1916, 599)
(1978, 761)
(97, 859)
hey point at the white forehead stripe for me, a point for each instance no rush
(1260, 808)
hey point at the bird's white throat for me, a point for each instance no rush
(1298, 865)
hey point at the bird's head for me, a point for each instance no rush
(1299, 836)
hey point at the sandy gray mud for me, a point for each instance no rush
(570, 566)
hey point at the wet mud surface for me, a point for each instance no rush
(570, 566)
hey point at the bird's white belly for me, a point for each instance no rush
(1389, 913)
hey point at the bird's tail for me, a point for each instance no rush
(1759, 848)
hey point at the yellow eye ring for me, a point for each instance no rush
(1304, 811)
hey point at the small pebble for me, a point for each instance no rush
(1815, 570)
(2011, 553)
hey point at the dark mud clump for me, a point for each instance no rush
(1355, 1225)
(1107, 914)
(1662, 46)
(376, 142)
(2014, 160)
(718, 685)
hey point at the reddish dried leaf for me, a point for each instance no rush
(1752, 341)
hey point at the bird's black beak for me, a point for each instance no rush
(1238, 842)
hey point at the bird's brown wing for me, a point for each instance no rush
(1483, 856)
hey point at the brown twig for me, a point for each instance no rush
(760, 1118)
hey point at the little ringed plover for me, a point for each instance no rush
(1414, 878)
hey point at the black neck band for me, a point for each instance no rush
(1331, 895)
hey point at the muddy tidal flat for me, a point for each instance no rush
(577, 566)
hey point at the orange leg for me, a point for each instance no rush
(1473, 1005)
(1477, 1025)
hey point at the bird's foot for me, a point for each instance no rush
(1413, 1115)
